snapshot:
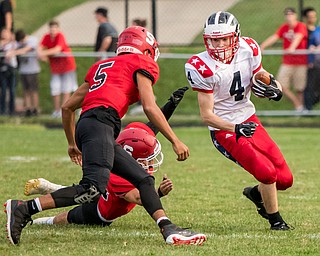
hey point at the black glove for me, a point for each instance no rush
(270, 91)
(245, 129)
(177, 95)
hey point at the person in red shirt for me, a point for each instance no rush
(294, 35)
(63, 69)
(139, 140)
(110, 86)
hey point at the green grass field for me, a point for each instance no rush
(207, 193)
(207, 196)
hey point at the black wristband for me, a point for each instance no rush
(160, 194)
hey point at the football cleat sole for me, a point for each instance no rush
(176, 239)
(7, 205)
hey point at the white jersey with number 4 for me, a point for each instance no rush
(229, 83)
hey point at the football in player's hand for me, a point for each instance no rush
(262, 76)
(260, 83)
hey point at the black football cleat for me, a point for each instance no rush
(17, 218)
(177, 236)
(281, 226)
(259, 204)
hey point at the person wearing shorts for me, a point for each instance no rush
(293, 70)
(63, 69)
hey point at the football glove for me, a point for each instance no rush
(245, 129)
(270, 91)
(177, 95)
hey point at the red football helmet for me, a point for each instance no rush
(222, 25)
(138, 40)
(143, 147)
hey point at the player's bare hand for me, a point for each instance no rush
(75, 155)
(181, 150)
(166, 185)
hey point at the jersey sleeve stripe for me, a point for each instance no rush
(202, 90)
(257, 69)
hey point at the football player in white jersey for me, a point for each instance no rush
(222, 76)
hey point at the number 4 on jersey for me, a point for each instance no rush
(236, 88)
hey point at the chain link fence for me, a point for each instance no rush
(177, 25)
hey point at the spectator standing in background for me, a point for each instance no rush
(293, 69)
(6, 14)
(312, 91)
(29, 70)
(107, 35)
(63, 69)
(8, 65)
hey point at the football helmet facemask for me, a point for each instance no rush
(222, 25)
(138, 40)
(143, 147)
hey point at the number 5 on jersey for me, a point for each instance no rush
(100, 76)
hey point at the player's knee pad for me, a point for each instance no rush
(77, 194)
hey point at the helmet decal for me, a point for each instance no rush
(142, 146)
(138, 40)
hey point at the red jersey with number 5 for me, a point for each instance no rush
(112, 81)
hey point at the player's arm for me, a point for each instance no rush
(165, 186)
(133, 196)
(171, 105)
(68, 120)
(156, 116)
(206, 104)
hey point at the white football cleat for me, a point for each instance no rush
(40, 186)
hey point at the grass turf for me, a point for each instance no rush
(207, 196)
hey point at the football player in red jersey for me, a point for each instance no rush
(121, 197)
(138, 139)
(110, 87)
(222, 75)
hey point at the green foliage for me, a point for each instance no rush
(207, 196)
(32, 14)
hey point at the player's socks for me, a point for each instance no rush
(275, 218)
(163, 221)
(44, 221)
(34, 206)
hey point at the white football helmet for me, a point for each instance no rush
(221, 25)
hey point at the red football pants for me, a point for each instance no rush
(259, 155)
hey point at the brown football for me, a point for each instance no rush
(262, 76)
